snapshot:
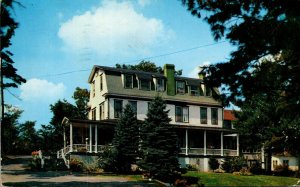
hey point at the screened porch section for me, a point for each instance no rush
(208, 142)
(86, 136)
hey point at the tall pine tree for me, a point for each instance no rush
(125, 141)
(159, 148)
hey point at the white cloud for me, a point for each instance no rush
(197, 69)
(113, 28)
(41, 90)
(144, 2)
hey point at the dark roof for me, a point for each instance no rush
(143, 74)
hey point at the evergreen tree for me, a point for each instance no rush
(158, 143)
(125, 141)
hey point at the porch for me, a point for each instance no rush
(208, 142)
(86, 136)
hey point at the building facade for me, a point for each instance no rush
(196, 116)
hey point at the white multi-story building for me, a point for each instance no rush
(196, 116)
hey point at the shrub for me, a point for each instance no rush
(191, 167)
(35, 165)
(233, 164)
(213, 163)
(226, 165)
(76, 165)
(107, 160)
(282, 170)
(256, 168)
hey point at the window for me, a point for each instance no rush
(275, 163)
(128, 81)
(144, 84)
(101, 82)
(208, 92)
(101, 111)
(133, 105)
(93, 88)
(203, 115)
(181, 114)
(160, 85)
(214, 116)
(180, 87)
(286, 163)
(94, 114)
(194, 90)
(118, 106)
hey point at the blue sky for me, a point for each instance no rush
(57, 37)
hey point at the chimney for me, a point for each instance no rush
(169, 72)
(201, 74)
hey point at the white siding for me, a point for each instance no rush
(96, 99)
(293, 162)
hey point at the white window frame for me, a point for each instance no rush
(184, 114)
(160, 87)
(125, 81)
(180, 90)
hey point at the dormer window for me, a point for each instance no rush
(144, 84)
(160, 85)
(128, 81)
(208, 91)
(180, 87)
(194, 90)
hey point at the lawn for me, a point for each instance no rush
(227, 179)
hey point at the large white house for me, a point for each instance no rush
(196, 116)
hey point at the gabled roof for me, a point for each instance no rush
(229, 115)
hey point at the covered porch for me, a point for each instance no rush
(200, 141)
(86, 136)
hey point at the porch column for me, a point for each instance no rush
(91, 137)
(186, 141)
(204, 142)
(222, 148)
(71, 137)
(237, 145)
(96, 138)
(65, 141)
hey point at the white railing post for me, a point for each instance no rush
(91, 136)
(96, 138)
(71, 137)
(186, 141)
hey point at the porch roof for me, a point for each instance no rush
(85, 122)
(204, 128)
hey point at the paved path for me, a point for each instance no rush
(14, 174)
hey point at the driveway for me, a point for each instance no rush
(14, 173)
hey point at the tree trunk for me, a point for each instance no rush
(268, 160)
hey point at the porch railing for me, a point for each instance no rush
(215, 152)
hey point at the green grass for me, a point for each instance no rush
(227, 179)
